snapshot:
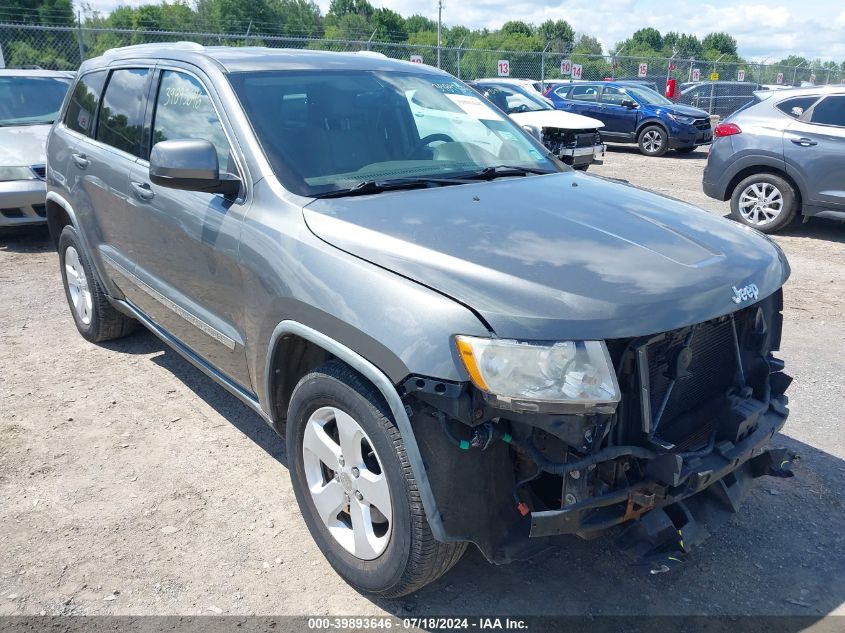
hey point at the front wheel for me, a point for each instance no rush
(766, 202)
(355, 486)
(653, 141)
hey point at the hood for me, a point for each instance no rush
(556, 119)
(685, 110)
(559, 255)
(23, 145)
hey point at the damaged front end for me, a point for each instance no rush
(698, 408)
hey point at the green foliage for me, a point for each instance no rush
(721, 43)
(559, 33)
(419, 23)
(649, 38)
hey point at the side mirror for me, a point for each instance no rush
(190, 165)
(629, 103)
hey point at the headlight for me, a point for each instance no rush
(577, 372)
(686, 120)
(16, 173)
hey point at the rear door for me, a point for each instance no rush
(617, 118)
(99, 163)
(814, 149)
(583, 99)
(186, 242)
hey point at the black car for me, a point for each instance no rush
(722, 98)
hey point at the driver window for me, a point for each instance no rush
(184, 111)
(614, 96)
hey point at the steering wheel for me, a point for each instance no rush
(428, 140)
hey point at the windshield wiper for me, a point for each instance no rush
(500, 171)
(367, 187)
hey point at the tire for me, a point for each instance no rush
(404, 558)
(686, 150)
(653, 140)
(95, 317)
(749, 195)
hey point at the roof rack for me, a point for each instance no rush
(185, 46)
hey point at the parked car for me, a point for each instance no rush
(460, 344)
(642, 83)
(632, 114)
(30, 100)
(721, 98)
(781, 157)
(573, 138)
(526, 84)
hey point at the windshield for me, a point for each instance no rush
(325, 131)
(31, 100)
(513, 99)
(647, 96)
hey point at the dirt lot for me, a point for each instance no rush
(131, 484)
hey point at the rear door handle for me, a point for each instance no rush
(142, 190)
(804, 142)
(81, 160)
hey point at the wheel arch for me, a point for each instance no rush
(646, 123)
(59, 215)
(310, 349)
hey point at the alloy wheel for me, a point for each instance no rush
(77, 283)
(760, 203)
(652, 141)
(347, 483)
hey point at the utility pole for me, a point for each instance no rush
(439, 22)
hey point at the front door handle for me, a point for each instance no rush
(804, 142)
(81, 160)
(142, 190)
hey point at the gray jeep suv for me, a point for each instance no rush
(462, 339)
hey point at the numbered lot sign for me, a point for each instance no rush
(740, 75)
(812, 79)
(416, 59)
(504, 68)
(714, 76)
(576, 71)
(696, 74)
(643, 71)
(566, 67)
(780, 78)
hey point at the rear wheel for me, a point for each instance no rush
(653, 140)
(355, 486)
(766, 202)
(95, 317)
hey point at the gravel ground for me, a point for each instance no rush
(131, 484)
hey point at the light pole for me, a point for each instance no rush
(439, 23)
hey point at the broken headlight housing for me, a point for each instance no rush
(526, 375)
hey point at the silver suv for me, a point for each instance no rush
(780, 157)
(462, 339)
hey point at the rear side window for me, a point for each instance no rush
(184, 111)
(796, 106)
(829, 111)
(584, 93)
(121, 122)
(83, 102)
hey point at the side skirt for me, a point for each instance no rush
(243, 395)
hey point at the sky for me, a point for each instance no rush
(774, 29)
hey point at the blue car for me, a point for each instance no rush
(635, 114)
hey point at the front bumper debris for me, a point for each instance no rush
(674, 479)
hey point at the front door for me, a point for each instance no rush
(618, 118)
(814, 147)
(187, 248)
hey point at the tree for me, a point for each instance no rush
(559, 33)
(339, 8)
(419, 23)
(516, 27)
(722, 43)
(389, 26)
(587, 45)
(647, 38)
(684, 44)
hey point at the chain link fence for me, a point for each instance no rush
(65, 47)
